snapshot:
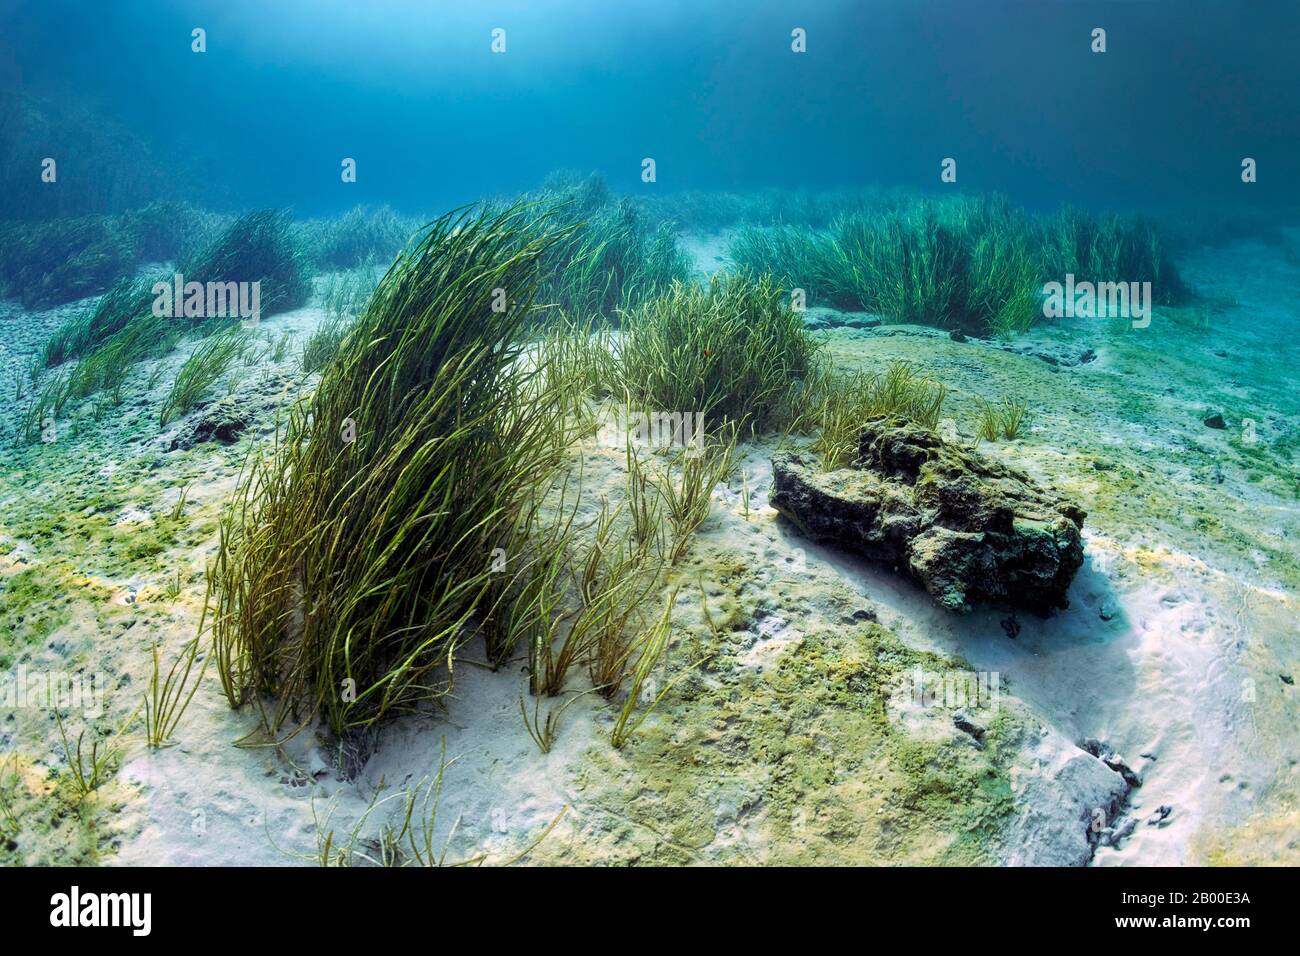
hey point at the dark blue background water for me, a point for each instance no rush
(709, 88)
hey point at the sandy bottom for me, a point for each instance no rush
(793, 737)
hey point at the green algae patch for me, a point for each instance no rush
(46, 821)
(800, 764)
(33, 605)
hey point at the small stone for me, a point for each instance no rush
(1287, 679)
(1111, 836)
(957, 335)
(1116, 763)
(968, 726)
(1011, 627)
(1215, 421)
(1160, 816)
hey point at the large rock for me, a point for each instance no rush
(967, 528)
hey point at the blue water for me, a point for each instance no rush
(711, 90)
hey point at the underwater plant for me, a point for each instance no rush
(618, 576)
(731, 352)
(917, 263)
(166, 698)
(649, 649)
(205, 366)
(106, 367)
(167, 231)
(711, 210)
(263, 247)
(125, 300)
(796, 257)
(89, 769)
(355, 554)
(45, 406)
(1109, 248)
(587, 192)
(1003, 421)
(343, 297)
(975, 264)
(611, 260)
(836, 405)
(686, 487)
(581, 356)
(323, 343)
(358, 236)
(960, 265)
(122, 329)
(49, 263)
(344, 294)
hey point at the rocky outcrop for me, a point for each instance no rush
(967, 528)
(222, 421)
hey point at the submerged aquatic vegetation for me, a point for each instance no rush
(354, 555)
(619, 575)
(344, 294)
(1109, 248)
(797, 258)
(89, 769)
(837, 404)
(686, 488)
(976, 264)
(610, 261)
(125, 301)
(408, 834)
(44, 408)
(47, 264)
(166, 699)
(1005, 420)
(965, 265)
(201, 370)
(61, 260)
(169, 230)
(732, 352)
(323, 343)
(10, 781)
(106, 366)
(263, 247)
(613, 578)
(649, 650)
(360, 235)
(580, 361)
(712, 210)
(121, 329)
(343, 298)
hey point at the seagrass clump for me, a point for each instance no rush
(359, 552)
